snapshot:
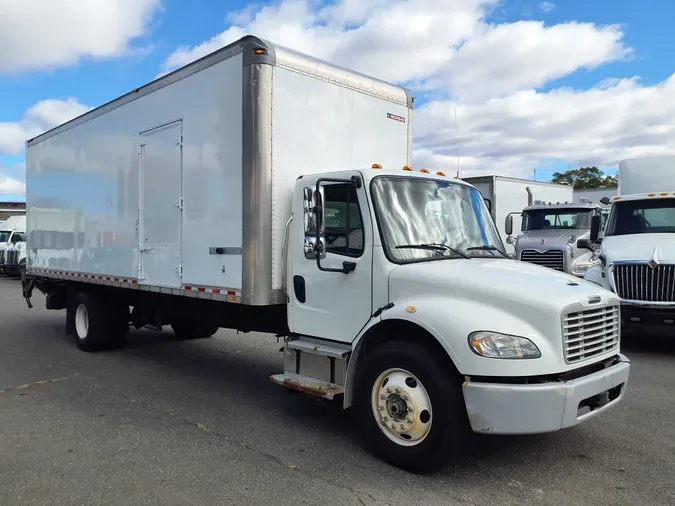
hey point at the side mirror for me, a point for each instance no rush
(314, 223)
(605, 201)
(585, 244)
(595, 228)
(508, 225)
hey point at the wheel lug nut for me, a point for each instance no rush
(386, 419)
(383, 397)
(397, 390)
(405, 397)
(393, 425)
(388, 390)
(402, 426)
(409, 420)
(381, 408)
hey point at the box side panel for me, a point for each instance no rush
(319, 126)
(510, 197)
(82, 183)
(651, 174)
(212, 181)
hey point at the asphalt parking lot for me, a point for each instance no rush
(167, 422)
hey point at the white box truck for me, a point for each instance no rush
(245, 191)
(509, 196)
(636, 253)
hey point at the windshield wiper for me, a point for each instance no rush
(434, 247)
(487, 247)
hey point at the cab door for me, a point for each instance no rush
(332, 298)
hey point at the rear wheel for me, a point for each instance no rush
(410, 408)
(96, 327)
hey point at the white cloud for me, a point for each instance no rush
(44, 34)
(11, 186)
(514, 134)
(42, 116)
(547, 6)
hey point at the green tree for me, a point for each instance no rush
(585, 177)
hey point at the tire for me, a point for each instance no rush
(192, 329)
(430, 435)
(96, 327)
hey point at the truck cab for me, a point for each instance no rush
(636, 247)
(15, 255)
(402, 278)
(12, 231)
(550, 235)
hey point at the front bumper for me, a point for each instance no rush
(501, 408)
(644, 314)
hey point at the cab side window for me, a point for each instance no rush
(344, 222)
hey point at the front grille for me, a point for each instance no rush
(645, 283)
(2, 256)
(552, 258)
(590, 332)
(12, 257)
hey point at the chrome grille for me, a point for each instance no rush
(12, 257)
(2, 256)
(645, 283)
(590, 332)
(552, 258)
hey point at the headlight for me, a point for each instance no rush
(495, 345)
(581, 268)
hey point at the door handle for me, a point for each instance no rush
(299, 288)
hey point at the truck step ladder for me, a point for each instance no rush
(314, 366)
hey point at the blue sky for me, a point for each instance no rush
(647, 31)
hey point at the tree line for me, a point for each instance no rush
(584, 178)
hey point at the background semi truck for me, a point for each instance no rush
(550, 234)
(12, 232)
(636, 252)
(508, 195)
(245, 191)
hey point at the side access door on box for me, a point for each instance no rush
(161, 206)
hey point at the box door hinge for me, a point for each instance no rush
(179, 203)
(179, 270)
(179, 141)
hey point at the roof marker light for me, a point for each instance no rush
(425, 171)
(407, 167)
(439, 173)
(652, 194)
(377, 166)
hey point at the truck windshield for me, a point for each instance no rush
(4, 235)
(653, 216)
(424, 219)
(561, 219)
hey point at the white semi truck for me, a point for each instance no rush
(550, 235)
(12, 232)
(636, 252)
(245, 191)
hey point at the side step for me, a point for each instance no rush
(314, 366)
(308, 385)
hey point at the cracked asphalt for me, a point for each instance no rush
(187, 423)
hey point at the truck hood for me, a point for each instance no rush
(546, 239)
(510, 285)
(642, 247)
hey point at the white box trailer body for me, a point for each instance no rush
(647, 175)
(193, 173)
(508, 195)
(237, 192)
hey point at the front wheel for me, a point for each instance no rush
(410, 408)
